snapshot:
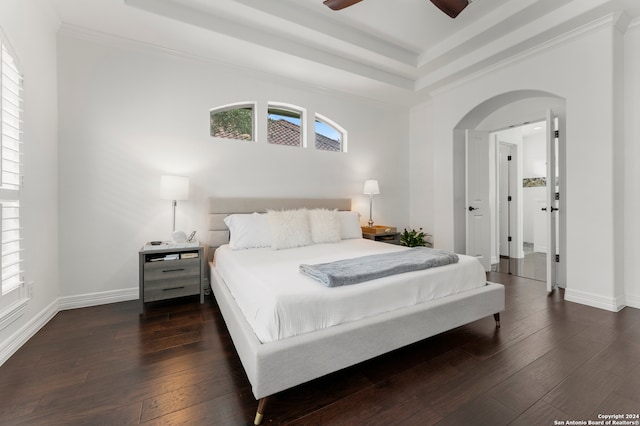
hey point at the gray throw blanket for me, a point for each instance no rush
(365, 268)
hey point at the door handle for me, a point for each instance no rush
(544, 209)
(553, 209)
(471, 208)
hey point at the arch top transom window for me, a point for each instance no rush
(285, 125)
(329, 135)
(234, 121)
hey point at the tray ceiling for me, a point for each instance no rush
(400, 51)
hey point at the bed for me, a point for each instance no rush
(295, 352)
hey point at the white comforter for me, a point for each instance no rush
(279, 302)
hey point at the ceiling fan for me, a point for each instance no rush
(450, 7)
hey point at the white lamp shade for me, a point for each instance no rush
(174, 188)
(371, 187)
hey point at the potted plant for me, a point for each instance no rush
(413, 238)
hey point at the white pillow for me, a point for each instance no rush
(349, 225)
(325, 226)
(289, 228)
(248, 231)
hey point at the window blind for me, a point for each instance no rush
(10, 243)
(11, 246)
(10, 165)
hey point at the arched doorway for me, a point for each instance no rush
(498, 113)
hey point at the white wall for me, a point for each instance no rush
(582, 74)
(632, 159)
(30, 27)
(421, 183)
(129, 114)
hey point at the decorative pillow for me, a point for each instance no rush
(248, 231)
(289, 228)
(325, 226)
(349, 225)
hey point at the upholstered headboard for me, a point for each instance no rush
(219, 208)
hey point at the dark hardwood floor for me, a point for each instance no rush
(105, 365)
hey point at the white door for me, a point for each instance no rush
(551, 208)
(477, 197)
(504, 194)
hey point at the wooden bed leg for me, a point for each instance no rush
(497, 318)
(262, 403)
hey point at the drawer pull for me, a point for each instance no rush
(173, 288)
(173, 270)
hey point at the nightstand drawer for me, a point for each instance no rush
(171, 269)
(160, 290)
(170, 272)
(389, 238)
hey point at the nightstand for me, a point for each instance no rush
(167, 272)
(391, 237)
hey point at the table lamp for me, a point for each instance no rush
(174, 188)
(371, 188)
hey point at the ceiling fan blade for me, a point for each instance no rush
(340, 4)
(451, 7)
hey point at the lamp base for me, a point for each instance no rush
(178, 237)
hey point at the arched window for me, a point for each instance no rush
(329, 136)
(285, 125)
(234, 121)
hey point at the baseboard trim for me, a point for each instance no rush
(633, 301)
(593, 300)
(101, 298)
(26, 332)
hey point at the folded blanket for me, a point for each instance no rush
(366, 268)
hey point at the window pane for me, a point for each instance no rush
(11, 283)
(11, 253)
(10, 143)
(284, 127)
(234, 123)
(11, 102)
(328, 138)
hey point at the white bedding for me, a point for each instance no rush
(279, 302)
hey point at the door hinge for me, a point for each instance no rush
(509, 198)
(508, 158)
(509, 239)
(557, 196)
(557, 258)
(556, 134)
